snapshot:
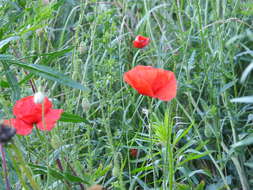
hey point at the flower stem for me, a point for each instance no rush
(8, 187)
(169, 148)
(17, 155)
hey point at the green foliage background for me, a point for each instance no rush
(77, 51)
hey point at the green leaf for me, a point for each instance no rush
(12, 81)
(249, 164)
(246, 72)
(43, 71)
(25, 79)
(68, 117)
(180, 186)
(201, 186)
(49, 73)
(4, 84)
(193, 157)
(56, 54)
(57, 174)
(75, 179)
(227, 86)
(245, 99)
(245, 142)
(6, 41)
(141, 183)
(181, 134)
(141, 169)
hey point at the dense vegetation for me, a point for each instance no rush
(77, 51)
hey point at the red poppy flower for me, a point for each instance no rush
(32, 110)
(133, 152)
(153, 82)
(141, 41)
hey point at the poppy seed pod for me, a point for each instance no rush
(153, 82)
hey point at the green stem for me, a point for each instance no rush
(205, 147)
(171, 167)
(17, 154)
(240, 170)
(169, 151)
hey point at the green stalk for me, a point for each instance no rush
(169, 151)
(171, 164)
(17, 155)
(206, 148)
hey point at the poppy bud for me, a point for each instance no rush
(38, 97)
(133, 152)
(141, 41)
(6, 133)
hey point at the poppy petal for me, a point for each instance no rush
(153, 82)
(52, 116)
(141, 78)
(168, 90)
(21, 127)
(26, 110)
